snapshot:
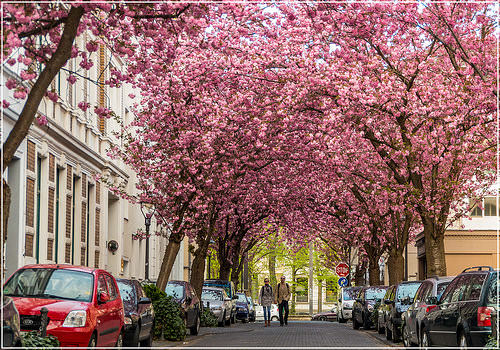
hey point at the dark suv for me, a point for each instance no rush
(399, 302)
(364, 304)
(462, 317)
(412, 318)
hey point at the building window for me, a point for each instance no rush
(28, 245)
(331, 290)
(67, 253)
(96, 259)
(83, 256)
(50, 249)
(476, 211)
(301, 290)
(490, 206)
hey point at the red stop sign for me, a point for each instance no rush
(342, 270)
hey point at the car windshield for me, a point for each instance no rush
(219, 285)
(208, 294)
(175, 290)
(440, 289)
(127, 292)
(242, 298)
(407, 290)
(350, 294)
(374, 293)
(492, 298)
(51, 283)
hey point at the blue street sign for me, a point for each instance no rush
(342, 281)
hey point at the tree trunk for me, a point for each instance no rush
(320, 295)
(434, 248)
(359, 275)
(294, 299)
(173, 246)
(198, 269)
(236, 272)
(224, 270)
(374, 271)
(395, 265)
(39, 88)
(272, 269)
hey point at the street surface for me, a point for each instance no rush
(296, 334)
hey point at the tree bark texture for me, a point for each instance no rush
(434, 248)
(359, 275)
(395, 265)
(224, 270)
(171, 252)
(198, 269)
(6, 209)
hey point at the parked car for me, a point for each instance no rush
(412, 318)
(363, 306)
(259, 313)
(84, 304)
(219, 302)
(330, 315)
(462, 317)
(383, 310)
(400, 301)
(251, 307)
(230, 291)
(242, 308)
(186, 297)
(345, 303)
(139, 314)
(10, 324)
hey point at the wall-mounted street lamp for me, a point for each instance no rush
(148, 211)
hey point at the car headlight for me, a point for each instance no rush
(370, 307)
(127, 320)
(75, 318)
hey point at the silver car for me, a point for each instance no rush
(345, 303)
(217, 300)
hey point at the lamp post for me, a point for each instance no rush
(148, 211)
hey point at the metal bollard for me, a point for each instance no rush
(44, 321)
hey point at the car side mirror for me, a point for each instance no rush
(144, 300)
(103, 297)
(235, 297)
(387, 302)
(431, 301)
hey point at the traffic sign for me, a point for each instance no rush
(342, 270)
(343, 281)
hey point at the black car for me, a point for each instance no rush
(400, 301)
(242, 308)
(462, 317)
(10, 324)
(189, 302)
(363, 306)
(412, 318)
(138, 314)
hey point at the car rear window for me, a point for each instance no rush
(226, 287)
(493, 290)
(375, 293)
(208, 294)
(175, 290)
(127, 293)
(242, 298)
(406, 290)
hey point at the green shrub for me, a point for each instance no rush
(374, 314)
(35, 340)
(208, 318)
(168, 321)
(492, 343)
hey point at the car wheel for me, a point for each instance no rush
(196, 327)
(93, 341)
(406, 336)
(366, 323)
(228, 321)
(119, 341)
(380, 329)
(148, 342)
(322, 318)
(355, 324)
(221, 323)
(388, 333)
(425, 342)
(274, 318)
(462, 341)
(233, 319)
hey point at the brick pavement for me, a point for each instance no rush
(296, 334)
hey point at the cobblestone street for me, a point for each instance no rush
(296, 334)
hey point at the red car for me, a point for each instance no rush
(84, 304)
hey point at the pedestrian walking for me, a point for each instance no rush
(266, 300)
(281, 297)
